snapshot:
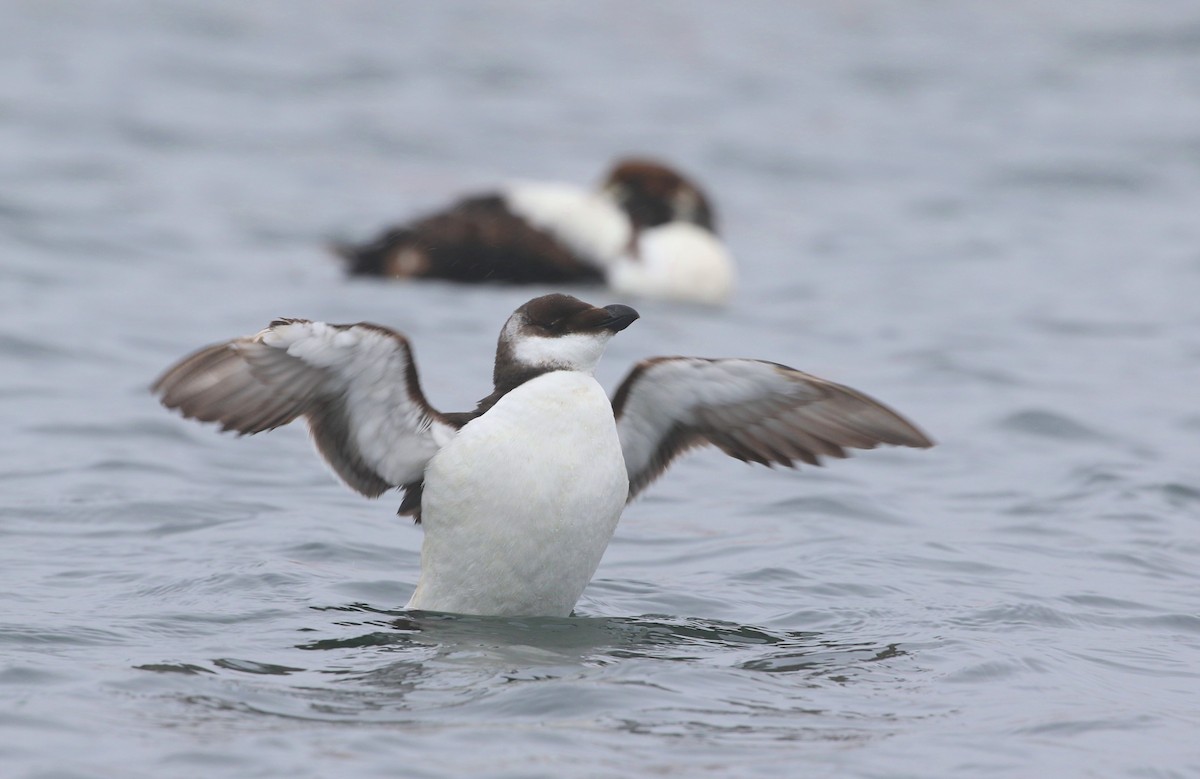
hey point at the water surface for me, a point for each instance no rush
(985, 215)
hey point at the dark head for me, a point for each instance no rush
(556, 332)
(654, 194)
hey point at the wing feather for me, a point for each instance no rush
(356, 385)
(753, 410)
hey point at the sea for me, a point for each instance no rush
(986, 215)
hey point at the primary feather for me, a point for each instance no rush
(753, 410)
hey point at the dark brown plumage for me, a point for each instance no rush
(476, 239)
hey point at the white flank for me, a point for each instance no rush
(588, 223)
(677, 261)
(519, 507)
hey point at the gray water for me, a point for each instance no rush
(987, 215)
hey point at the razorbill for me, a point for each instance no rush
(647, 231)
(520, 496)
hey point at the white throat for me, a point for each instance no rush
(574, 351)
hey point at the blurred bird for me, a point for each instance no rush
(647, 231)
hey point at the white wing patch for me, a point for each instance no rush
(588, 223)
(753, 410)
(355, 384)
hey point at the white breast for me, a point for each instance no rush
(677, 261)
(519, 507)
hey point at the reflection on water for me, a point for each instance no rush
(419, 664)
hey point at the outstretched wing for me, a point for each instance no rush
(753, 410)
(355, 384)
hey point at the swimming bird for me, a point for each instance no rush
(520, 496)
(647, 231)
